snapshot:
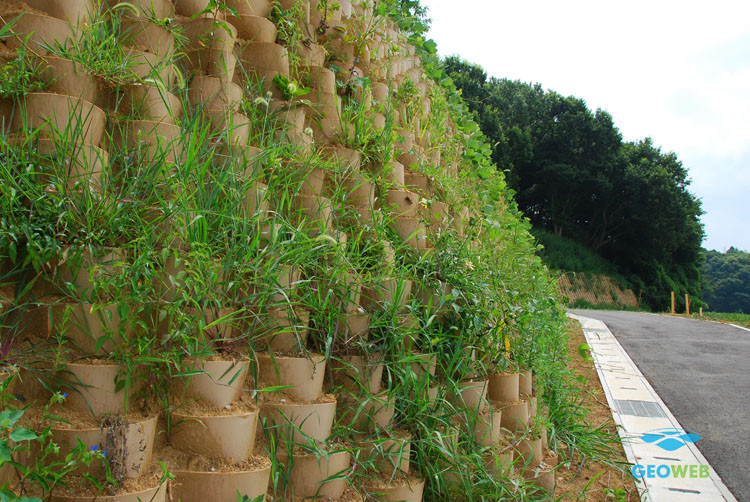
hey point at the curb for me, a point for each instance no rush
(613, 363)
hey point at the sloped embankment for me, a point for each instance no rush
(259, 244)
(595, 289)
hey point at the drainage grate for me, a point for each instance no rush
(639, 408)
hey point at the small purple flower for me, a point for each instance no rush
(94, 448)
(104, 453)
(65, 395)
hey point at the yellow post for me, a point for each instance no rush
(687, 304)
(672, 302)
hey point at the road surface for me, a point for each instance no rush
(701, 370)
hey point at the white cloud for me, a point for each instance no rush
(678, 71)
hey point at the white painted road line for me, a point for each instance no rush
(637, 409)
(741, 327)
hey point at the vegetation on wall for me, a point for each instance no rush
(183, 238)
(575, 177)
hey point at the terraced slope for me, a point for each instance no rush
(257, 245)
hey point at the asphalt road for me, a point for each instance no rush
(701, 370)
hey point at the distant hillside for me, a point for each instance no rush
(726, 281)
(561, 253)
(585, 290)
(575, 177)
(588, 279)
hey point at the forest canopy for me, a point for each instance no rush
(726, 281)
(575, 177)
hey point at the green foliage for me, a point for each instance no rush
(584, 350)
(616, 495)
(582, 303)
(49, 469)
(562, 253)
(290, 33)
(409, 15)
(20, 76)
(658, 243)
(198, 254)
(575, 177)
(289, 88)
(538, 336)
(726, 281)
(741, 319)
(245, 498)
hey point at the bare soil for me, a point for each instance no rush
(36, 418)
(12, 8)
(383, 481)
(80, 486)
(282, 397)
(350, 495)
(573, 478)
(200, 407)
(177, 460)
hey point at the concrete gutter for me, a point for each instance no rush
(638, 409)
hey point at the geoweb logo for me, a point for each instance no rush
(670, 440)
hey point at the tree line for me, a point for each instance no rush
(726, 281)
(574, 176)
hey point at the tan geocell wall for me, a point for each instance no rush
(220, 61)
(595, 289)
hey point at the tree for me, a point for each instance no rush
(574, 176)
(658, 234)
(726, 281)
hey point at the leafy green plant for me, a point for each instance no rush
(326, 9)
(289, 88)
(290, 32)
(245, 498)
(616, 495)
(20, 76)
(48, 469)
(217, 7)
(211, 235)
(584, 350)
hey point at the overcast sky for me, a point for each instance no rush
(677, 71)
